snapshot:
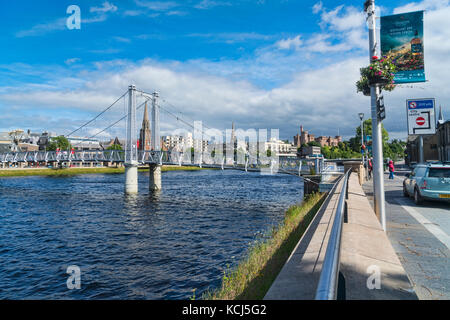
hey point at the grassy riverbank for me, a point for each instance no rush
(75, 171)
(254, 275)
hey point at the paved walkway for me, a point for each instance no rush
(420, 237)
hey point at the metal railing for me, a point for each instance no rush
(328, 283)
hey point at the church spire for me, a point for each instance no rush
(145, 133)
(233, 133)
(145, 121)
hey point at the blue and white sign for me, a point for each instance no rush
(421, 116)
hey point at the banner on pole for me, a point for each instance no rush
(402, 40)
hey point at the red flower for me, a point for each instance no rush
(374, 58)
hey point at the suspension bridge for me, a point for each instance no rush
(131, 157)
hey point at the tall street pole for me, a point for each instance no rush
(361, 117)
(378, 172)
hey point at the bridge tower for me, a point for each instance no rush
(131, 152)
(155, 169)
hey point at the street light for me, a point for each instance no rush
(361, 117)
(377, 142)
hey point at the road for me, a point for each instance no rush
(420, 237)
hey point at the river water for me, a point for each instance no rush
(148, 246)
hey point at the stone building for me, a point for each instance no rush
(305, 137)
(430, 149)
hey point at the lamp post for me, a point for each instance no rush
(377, 143)
(361, 117)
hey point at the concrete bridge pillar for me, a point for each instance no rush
(131, 178)
(155, 177)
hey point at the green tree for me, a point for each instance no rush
(314, 144)
(60, 142)
(326, 152)
(115, 147)
(367, 124)
(395, 150)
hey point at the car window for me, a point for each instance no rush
(439, 173)
(420, 172)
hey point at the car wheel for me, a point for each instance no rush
(405, 192)
(417, 197)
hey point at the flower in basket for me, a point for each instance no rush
(380, 72)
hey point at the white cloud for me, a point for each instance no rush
(423, 5)
(208, 4)
(343, 18)
(157, 5)
(342, 31)
(72, 61)
(231, 37)
(133, 13)
(43, 28)
(106, 7)
(290, 43)
(317, 7)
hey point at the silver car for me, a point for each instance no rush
(428, 182)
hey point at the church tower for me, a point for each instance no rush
(145, 133)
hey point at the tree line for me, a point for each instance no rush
(351, 148)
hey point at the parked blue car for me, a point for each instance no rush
(428, 182)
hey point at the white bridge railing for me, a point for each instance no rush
(247, 162)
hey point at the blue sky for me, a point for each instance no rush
(264, 64)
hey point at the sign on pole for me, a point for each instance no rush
(421, 116)
(402, 40)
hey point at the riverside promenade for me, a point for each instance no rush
(365, 248)
(420, 237)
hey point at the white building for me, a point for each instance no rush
(181, 143)
(84, 144)
(278, 147)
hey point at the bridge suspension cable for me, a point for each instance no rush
(111, 125)
(171, 105)
(97, 116)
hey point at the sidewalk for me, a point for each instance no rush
(419, 235)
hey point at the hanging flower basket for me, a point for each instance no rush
(379, 80)
(379, 73)
(366, 91)
(363, 86)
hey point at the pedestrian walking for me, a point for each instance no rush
(370, 165)
(391, 169)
